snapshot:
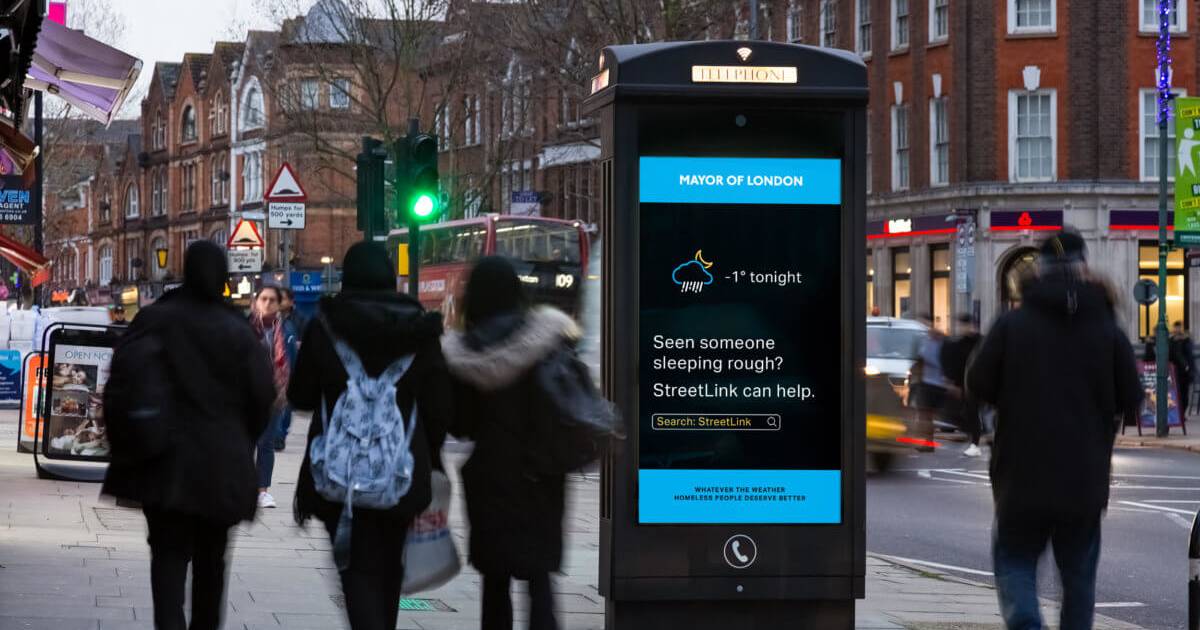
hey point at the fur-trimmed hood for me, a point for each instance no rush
(518, 346)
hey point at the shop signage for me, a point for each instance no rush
(1148, 372)
(931, 225)
(899, 226)
(1021, 220)
(15, 206)
(74, 413)
(34, 381)
(743, 74)
(1187, 172)
(307, 282)
(526, 203)
(1137, 220)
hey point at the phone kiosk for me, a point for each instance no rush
(733, 334)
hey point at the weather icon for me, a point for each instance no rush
(693, 275)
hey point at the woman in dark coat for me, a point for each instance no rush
(515, 514)
(217, 379)
(380, 326)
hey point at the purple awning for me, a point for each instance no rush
(88, 74)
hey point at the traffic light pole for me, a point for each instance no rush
(414, 258)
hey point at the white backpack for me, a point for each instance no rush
(363, 457)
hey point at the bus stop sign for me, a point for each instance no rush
(734, 248)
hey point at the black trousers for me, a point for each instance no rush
(497, 611)
(175, 540)
(372, 584)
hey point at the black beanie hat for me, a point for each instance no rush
(1066, 246)
(368, 268)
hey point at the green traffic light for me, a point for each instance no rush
(423, 206)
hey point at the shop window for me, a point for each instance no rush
(1176, 293)
(939, 274)
(902, 283)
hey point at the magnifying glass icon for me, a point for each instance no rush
(773, 422)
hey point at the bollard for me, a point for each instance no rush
(1194, 576)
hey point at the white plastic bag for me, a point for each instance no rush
(430, 557)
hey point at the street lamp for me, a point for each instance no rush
(161, 253)
(328, 262)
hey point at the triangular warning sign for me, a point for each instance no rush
(246, 235)
(286, 186)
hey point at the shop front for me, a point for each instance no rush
(909, 267)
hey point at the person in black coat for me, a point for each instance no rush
(1059, 371)
(955, 356)
(1183, 358)
(380, 326)
(515, 514)
(203, 482)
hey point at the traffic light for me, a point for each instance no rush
(372, 215)
(422, 194)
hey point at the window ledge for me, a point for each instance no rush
(866, 56)
(1154, 34)
(1032, 35)
(938, 43)
(896, 52)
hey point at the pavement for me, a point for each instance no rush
(71, 560)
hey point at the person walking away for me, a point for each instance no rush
(293, 325)
(379, 328)
(187, 398)
(962, 408)
(515, 512)
(931, 384)
(1059, 371)
(1183, 358)
(276, 337)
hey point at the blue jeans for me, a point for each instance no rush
(264, 459)
(285, 424)
(1018, 542)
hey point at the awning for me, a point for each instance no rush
(88, 74)
(564, 154)
(25, 258)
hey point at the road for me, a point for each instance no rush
(937, 508)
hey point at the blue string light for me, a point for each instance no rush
(1164, 60)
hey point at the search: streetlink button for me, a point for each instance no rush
(715, 422)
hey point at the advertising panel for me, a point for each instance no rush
(1187, 172)
(740, 351)
(34, 380)
(75, 427)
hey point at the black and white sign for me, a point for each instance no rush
(245, 260)
(740, 551)
(285, 215)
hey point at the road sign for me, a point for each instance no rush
(245, 260)
(285, 186)
(285, 215)
(1145, 292)
(245, 235)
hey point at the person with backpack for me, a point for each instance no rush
(370, 364)
(279, 338)
(515, 503)
(188, 395)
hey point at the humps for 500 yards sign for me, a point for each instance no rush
(285, 200)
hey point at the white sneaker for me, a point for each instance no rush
(265, 500)
(972, 451)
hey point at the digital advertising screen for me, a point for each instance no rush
(739, 340)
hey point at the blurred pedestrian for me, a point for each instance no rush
(118, 316)
(293, 326)
(930, 382)
(961, 406)
(515, 511)
(1060, 371)
(187, 398)
(277, 336)
(1183, 359)
(380, 328)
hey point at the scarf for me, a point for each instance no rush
(281, 370)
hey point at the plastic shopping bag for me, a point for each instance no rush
(430, 557)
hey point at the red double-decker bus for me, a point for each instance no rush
(550, 256)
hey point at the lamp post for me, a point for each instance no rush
(1164, 114)
(161, 254)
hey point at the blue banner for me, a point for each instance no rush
(10, 378)
(740, 180)
(668, 496)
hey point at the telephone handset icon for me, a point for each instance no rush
(737, 552)
(740, 551)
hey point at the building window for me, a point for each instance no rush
(106, 265)
(471, 121)
(106, 208)
(189, 124)
(220, 236)
(870, 142)
(900, 164)
(939, 20)
(131, 202)
(899, 24)
(1177, 289)
(828, 23)
(158, 193)
(862, 37)
(339, 94)
(133, 260)
(252, 184)
(939, 142)
(443, 126)
(939, 296)
(1149, 135)
(1177, 14)
(1032, 121)
(901, 282)
(795, 22)
(189, 187)
(1031, 16)
(310, 93)
(253, 108)
(160, 131)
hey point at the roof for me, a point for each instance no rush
(198, 66)
(86, 131)
(168, 74)
(229, 53)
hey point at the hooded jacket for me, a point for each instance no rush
(1059, 371)
(381, 327)
(222, 391)
(516, 515)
